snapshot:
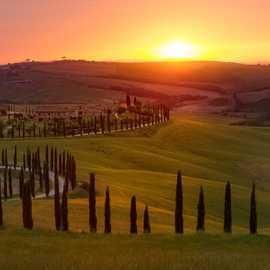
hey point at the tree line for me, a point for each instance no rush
(34, 169)
(61, 212)
(79, 126)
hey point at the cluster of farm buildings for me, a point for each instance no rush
(65, 111)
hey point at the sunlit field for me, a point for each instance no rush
(207, 149)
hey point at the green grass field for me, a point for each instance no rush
(144, 163)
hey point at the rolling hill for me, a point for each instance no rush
(207, 149)
(192, 86)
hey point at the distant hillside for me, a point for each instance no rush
(196, 85)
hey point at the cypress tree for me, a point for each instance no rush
(253, 212)
(32, 183)
(92, 204)
(107, 213)
(64, 163)
(47, 154)
(10, 183)
(57, 206)
(3, 157)
(133, 216)
(27, 206)
(60, 164)
(73, 172)
(15, 157)
(5, 183)
(40, 177)
(179, 219)
(201, 212)
(6, 157)
(28, 156)
(146, 221)
(51, 161)
(24, 162)
(1, 208)
(228, 209)
(46, 178)
(21, 182)
(64, 209)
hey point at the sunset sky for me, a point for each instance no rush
(135, 30)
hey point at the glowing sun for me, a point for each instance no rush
(177, 50)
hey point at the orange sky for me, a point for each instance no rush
(133, 29)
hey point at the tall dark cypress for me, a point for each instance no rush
(228, 209)
(10, 183)
(5, 183)
(201, 212)
(57, 206)
(32, 183)
(46, 178)
(47, 154)
(146, 221)
(3, 157)
(253, 212)
(133, 216)
(27, 206)
(21, 182)
(40, 175)
(107, 213)
(179, 219)
(15, 157)
(51, 160)
(1, 207)
(92, 204)
(64, 209)
(24, 162)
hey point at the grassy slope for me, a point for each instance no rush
(207, 150)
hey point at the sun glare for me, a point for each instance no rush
(177, 50)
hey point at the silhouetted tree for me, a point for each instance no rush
(10, 183)
(1, 207)
(179, 219)
(27, 206)
(32, 183)
(133, 216)
(47, 154)
(146, 221)
(253, 212)
(92, 204)
(51, 160)
(57, 206)
(128, 101)
(201, 211)
(15, 157)
(46, 178)
(107, 213)
(5, 183)
(21, 182)
(64, 209)
(228, 209)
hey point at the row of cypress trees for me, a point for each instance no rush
(227, 227)
(61, 208)
(103, 123)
